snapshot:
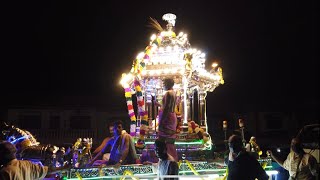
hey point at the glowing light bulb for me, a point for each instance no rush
(140, 55)
(153, 37)
(168, 48)
(214, 64)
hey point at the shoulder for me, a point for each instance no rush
(23, 162)
(170, 158)
(290, 155)
(106, 139)
(310, 157)
(110, 140)
(126, 135)
(171, 92)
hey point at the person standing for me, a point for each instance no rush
(14, 169)
(166, 165)
(242, 165)
(168, 119)
(300, 165)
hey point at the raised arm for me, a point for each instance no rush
(280, 162)
(102, 145)
(54, 170)
(100, 153)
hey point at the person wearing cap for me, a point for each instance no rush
(14, 169)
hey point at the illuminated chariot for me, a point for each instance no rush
(167, 56)
(170, 56)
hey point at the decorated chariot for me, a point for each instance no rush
(169, 55)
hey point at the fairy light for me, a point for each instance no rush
(153, 37)
(168, 48)
(163, 33)
(185, 36)
(214, 65)
(140, 55)
(161, 49)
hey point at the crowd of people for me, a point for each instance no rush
(119, 149)
(14, 169)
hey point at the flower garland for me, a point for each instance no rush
(143, 114)
(137, 67)
(132, 116)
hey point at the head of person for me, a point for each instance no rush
(168, 83)
(117, 128)
(235, 143)
(296, 146)
(253, 139)
(7, 152)
(160, 149)
(109, 128)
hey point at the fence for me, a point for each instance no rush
(62, 136)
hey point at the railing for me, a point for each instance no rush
(59, 136)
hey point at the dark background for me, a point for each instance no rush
(74, 52)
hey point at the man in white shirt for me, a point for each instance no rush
(300, 165)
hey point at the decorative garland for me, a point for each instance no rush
(137, 67)
(143, 114)
(131, 114)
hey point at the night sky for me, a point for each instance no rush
(70, 52)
